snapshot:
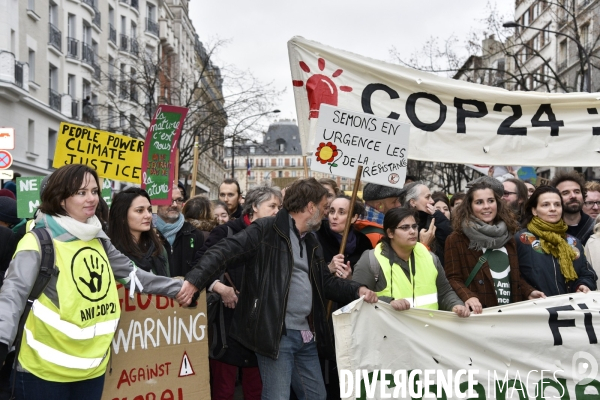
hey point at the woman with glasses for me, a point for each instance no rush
(130, 230)
(403, 272)
(481, 255)
(551, 260)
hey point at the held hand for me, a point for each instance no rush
(370, 296)
(461, 311)
(474, 304)
(400, 304)
(536, 294)
(583, 289)
(345, 271)
(428, 236)
(227, 293)
(512, 171)
(184, 297)
(337, 263)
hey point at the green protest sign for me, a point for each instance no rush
(28, 195)
(107, 191)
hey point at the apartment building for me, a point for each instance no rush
(85, 62)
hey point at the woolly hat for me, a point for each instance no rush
(10, 185)
(496, 185)
(372, 191)
(8, 210)
(7, 193)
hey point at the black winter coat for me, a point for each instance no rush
(331, 247)
(265, 247)
(443, 229)
(236, 354)
(183, 253)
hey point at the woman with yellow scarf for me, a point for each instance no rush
(551, 261)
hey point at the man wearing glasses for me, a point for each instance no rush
(179, 237)
(591, 205)
(515, 195)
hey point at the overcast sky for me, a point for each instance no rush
(258, 30)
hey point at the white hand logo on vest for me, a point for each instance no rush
(91, 274)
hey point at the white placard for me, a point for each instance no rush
(7, 138)
(6, 174)
(346, 139)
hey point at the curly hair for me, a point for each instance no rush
(572, 176)
(465, 211)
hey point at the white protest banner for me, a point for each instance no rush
(545, 348)
(346, 139)
(451, 121)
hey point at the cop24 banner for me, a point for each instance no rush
(545, 348)
(452, 121)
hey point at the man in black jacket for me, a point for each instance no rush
(282, 314)
(181, 240)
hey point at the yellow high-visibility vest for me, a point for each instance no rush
(69, 341)
(420, 292)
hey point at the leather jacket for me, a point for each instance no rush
(265, 249)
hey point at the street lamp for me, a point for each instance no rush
(512, 24)
(257, 116)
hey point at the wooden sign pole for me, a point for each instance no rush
(194, 168)
(348, 223)
(305, 167)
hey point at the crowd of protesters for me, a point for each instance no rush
(271, 264)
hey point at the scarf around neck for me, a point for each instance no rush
(553, 241)
(66, 229)
(483, 235)
(169, 231)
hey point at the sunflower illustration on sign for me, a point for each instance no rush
(326, 154)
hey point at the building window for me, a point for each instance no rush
(293, 162)
(52, 136)
(526, 19)
(585, 35)
(280, 162)
(279, 174)
(31, 136)
(294, 174)
(31, 65)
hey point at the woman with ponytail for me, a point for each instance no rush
(551, 260)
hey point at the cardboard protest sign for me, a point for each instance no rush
(451, 121)
(160, 350)
(345, 139)
(160, 151)
(539, 349)
(28, 193)
(113, 156)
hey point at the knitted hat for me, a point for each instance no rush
(8, 210)
(10, 185)
(372, 191)
(7, 193)
(496, 185)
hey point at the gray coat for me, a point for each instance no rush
(364, 275)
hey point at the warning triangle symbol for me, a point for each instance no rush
(186, 368)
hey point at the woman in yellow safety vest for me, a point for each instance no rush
(403, 272)
(68, 331)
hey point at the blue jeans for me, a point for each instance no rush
(297, 365)
(30, 387)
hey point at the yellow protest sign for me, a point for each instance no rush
(113, 156)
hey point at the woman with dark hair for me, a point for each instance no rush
(130, 230)
(551, 260)
(332, 189)
(63, 356)
(483, 231)
(403, 272)
(226, 355)
(198, 212)
(330, 237)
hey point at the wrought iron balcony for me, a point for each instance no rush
(123, 90)
(151, 26)
(87, 54)
(55, 38)
(74, 109)
(135, 4)
(135, 48)
(18, 74)
(54, 99)
(97, 72)
(97, 18)
(112, 34)
(124, 44)
(112, 84)
(89, 3)
(72, 47)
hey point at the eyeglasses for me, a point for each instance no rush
(591, 203)
(507, 193)
(178, 201)
(407, 227)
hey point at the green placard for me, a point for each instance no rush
(28, 195)
(107, 191)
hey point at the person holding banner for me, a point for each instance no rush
(66, 336)
(481, 255)
(551, 260)
(403, 272)
(130, 230)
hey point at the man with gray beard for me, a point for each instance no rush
(281, 308)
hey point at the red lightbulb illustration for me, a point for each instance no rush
(320, 88)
